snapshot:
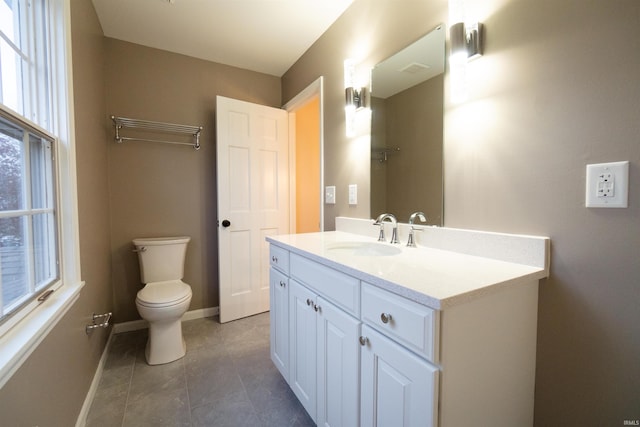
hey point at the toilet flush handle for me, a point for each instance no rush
(139, 249)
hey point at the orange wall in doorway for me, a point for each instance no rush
(308, 167)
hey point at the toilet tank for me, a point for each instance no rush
(161, 258)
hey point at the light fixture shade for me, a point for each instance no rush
(364, 98)
(350, 97)
(466, 41)
(474, 40)
(356, 99)
(458, 37)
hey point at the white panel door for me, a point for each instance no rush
(338, 367)
(398, 388)
(253, 201)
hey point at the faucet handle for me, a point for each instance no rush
(381, 234)
(421, 216)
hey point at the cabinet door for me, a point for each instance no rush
(279, 317)
(398, 387)
(302, 345)
(338, 367)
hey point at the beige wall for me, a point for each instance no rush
(168, 190)
(556, 89)
(50, 387)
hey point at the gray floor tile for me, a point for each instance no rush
(108, 405)
(168, 408)
(226, 412)
(225, 379)
(156, 378)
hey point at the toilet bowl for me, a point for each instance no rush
(162, 304)
(165, 297)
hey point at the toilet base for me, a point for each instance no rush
(165, 343)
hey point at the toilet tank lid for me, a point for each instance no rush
(151, 241)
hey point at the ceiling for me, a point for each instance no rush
(267, 36)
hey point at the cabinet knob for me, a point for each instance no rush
(274, 258)
(385, 317)
(316, 307)
(309, 302)
(282, 283)
(363, 340)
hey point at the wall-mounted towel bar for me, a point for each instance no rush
(123, 122)
(383, 153)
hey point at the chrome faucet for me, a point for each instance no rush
(411, 242)
(380, 221)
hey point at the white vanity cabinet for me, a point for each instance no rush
(279, 309)
(425, 338)
(398, 387)
(324, 354)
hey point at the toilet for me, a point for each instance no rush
(165, 297)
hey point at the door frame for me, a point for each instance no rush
(314, 90)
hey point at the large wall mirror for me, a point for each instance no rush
(407, 102)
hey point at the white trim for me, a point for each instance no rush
(293, 211)
(315, 89)
(18, 343)
(88, 400)
(136, 325)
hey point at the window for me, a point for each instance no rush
(28, 243)
(39, 249)
(24, 86)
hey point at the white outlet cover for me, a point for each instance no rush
(607, 185)
(330, 195)
(353, 194)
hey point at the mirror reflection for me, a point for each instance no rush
(407, 91)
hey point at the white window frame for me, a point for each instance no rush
(25, 303)
(25, 335)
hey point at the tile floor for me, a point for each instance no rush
(226, 379)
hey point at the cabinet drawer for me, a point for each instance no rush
(279, 258)
(411, 324)
(341, 289)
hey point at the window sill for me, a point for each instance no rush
(19, 342)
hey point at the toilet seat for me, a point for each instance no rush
(164, 294)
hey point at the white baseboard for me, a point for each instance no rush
(136, 325)
(88, 400)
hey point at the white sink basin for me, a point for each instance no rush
(363, 248)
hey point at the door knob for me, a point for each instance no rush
(226, 223)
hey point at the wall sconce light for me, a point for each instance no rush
(466, 41)
(466, 44)
(356, 98)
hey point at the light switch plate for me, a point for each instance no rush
(353, 194)
(607, 185)
(330, 195)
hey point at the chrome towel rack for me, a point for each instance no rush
(124, 122)
(384, 153)
(105, 319)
